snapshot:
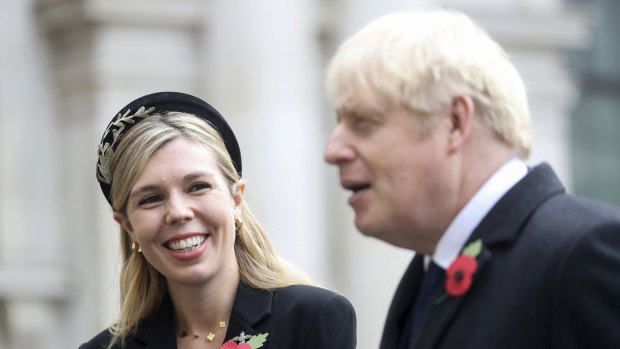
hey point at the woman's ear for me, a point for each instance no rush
(462, 120)
(122, 220)
(238, 193)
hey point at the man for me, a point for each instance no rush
(433, 126)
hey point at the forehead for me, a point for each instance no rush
(178, 156)
(184, 146)
(355, 100)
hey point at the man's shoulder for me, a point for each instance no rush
(577, 213)
(549, 205)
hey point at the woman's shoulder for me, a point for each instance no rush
(100, 341)
(311, 299)
(318, 317)
(307, 293)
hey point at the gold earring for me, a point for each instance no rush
(238, 223)
(133, 247)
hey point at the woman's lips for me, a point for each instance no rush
(186, 244)
(195, 246)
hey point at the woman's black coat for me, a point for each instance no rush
(294, 317)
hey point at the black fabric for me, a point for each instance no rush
(176, 102)
(548, 276)
(431, 283)
(295, 317)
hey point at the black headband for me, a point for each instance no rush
(159, 103)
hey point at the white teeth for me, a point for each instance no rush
(188, 244)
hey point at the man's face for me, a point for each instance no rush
(398, 176)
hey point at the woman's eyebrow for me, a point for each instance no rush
(198, 174)
(142, 189)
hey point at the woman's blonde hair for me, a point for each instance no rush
(423, 60)
(142, 287)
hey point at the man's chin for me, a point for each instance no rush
(367, 229)
(383, 233)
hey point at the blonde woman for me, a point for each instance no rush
(198, 269)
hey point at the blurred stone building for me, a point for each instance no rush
(66, 66)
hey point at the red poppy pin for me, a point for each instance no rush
(254, 342)
(459, 274)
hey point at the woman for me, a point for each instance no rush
(198, 269)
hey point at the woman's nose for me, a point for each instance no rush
(179, 209)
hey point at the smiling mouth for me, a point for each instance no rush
(187, 244)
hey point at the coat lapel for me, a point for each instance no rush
(401, 304)
(501, 226)
(157, 332)
(440, 314)
(252, 307)
(504, 222)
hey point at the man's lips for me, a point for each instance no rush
(354, 186)
(358, 188)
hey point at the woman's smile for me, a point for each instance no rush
(186, 244)
(189, 248)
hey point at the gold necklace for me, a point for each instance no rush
(210, 337)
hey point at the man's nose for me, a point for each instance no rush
(339, 149)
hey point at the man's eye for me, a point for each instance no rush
(360, 123)
(151, 199)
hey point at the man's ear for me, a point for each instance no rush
(462, 120)
(122, 220)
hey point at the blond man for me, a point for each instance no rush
(432, 131)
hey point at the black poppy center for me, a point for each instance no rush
(458, 276)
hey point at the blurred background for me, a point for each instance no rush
(67, 66)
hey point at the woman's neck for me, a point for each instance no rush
(199, 310)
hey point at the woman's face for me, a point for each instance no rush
(182, 214)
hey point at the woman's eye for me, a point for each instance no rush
(151, 199)
(199, 186)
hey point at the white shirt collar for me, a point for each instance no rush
(463, 225)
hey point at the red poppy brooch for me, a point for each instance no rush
(254, 342)
(460, 273)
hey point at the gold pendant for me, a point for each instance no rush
(211, 336)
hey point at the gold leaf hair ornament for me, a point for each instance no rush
(117, 126)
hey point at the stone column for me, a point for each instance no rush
(32, 267)
(264, 75)
(103, 54)
(596, 119)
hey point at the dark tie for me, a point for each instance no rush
(430, 283)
